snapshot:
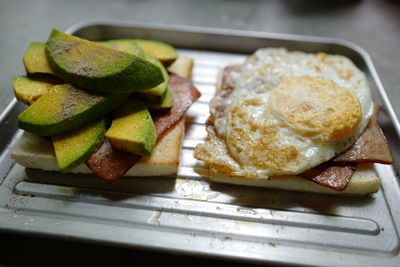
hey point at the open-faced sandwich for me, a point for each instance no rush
(111, 108)
(297, 121)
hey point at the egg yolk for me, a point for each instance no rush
(315, 107)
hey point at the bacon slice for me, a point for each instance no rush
(330, 175)
(111, 164)
(371, 146)
(223, 92)
(185, 94)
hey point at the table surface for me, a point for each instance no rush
(373, 25)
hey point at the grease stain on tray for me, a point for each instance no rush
(154, 219)
(196, 190)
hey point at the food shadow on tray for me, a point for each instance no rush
(276, 199)
(84, 186)
(81, 185)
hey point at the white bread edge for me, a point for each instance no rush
(364, 181)
(37, 152)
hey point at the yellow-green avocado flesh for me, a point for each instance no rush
(75, 147)
(162, 51)
(28, 89)
(65, 108)
(132, 129)
(124, 45)
(166, 102)
(35, 60)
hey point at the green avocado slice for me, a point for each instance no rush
(156, 93)
(35, 60)
(132, 129)
(75, 147)
(97, 68)
(166, 102)
(162, 51)
(27, 89)
(65, 108)
(123, 45)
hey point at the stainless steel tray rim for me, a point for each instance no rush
(218, 31)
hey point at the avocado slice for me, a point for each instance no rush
(75, 147)
(28, 89)
(166, 102)
(35, 60)
(97, 68)
(162, 51)
(65, 108)
(132, 129)
(123, 45)
(156, 93)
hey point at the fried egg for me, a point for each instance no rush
(287, 112)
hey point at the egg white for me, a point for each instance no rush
(233, 143)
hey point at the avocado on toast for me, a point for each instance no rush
(79, 119)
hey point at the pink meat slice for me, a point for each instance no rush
(111, 164)
(371, 146)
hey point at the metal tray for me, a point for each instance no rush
(187, 214)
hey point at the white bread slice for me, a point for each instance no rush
(364, 181)
(37, 152)
(182, 66)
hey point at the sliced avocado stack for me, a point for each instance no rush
(74, 86)
(98, 68)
